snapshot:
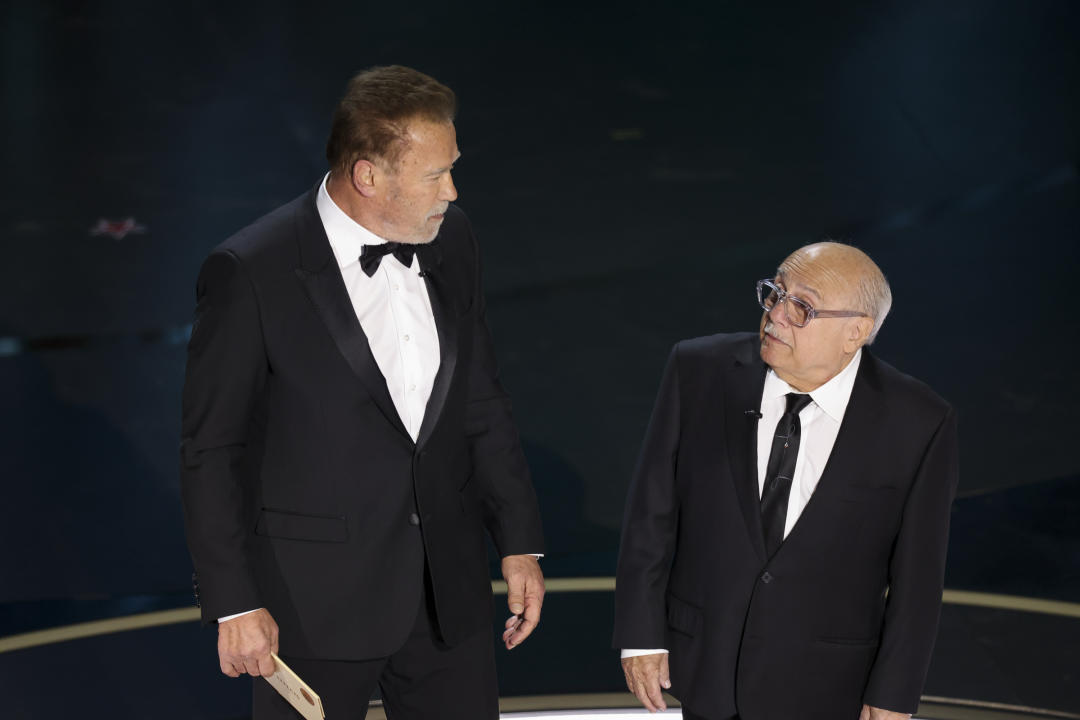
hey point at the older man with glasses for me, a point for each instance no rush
(783, 547)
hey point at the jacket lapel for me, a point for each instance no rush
(446, 320)
(321, 279)
(744, 384)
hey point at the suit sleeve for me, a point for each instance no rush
(511, 511)
(226, 369)
(916, 578)
(649, 525)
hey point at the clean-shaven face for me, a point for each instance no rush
(419, 188)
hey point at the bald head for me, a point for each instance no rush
(850, 298)
(849, 273)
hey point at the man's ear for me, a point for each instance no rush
(857, 333)
(364, 177)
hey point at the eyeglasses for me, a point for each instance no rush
(798, 312)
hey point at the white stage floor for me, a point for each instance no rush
(592, 714)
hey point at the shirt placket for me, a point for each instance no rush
(405, 343)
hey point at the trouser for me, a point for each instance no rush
(424, 679)
(691, 715)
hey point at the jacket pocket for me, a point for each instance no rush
(682, 616)
(298, 526)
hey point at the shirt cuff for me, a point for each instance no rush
(230, 617)
(635, 652)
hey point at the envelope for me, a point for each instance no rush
(299, 694)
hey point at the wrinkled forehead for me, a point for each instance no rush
(815, 278)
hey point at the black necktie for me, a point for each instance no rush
(372, 255)
(785, 449)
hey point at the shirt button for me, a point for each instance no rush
(412, 388)
(406, 338)
(396, 288)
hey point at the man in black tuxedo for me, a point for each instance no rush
(783, 548)
(346, 440)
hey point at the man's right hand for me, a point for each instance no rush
(245, 643)
(645, 676)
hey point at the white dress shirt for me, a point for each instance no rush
(819, 424)
(394, 310)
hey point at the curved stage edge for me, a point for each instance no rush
(584, 600)
(140, 621)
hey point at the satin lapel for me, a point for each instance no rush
(847, 459)
(446, 320)
(322, 281)
(744, 383)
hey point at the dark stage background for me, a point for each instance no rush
(631, 169)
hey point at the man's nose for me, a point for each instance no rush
(778, 314)
(448, 190)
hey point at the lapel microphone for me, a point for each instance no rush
(753, 414)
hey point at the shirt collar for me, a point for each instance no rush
(347, 237)
(832, 397)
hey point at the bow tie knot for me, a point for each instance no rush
(372, 255)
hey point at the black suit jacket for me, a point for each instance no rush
(846, 611)
(303, 492)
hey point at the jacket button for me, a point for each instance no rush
(766, 577)
(414, 519)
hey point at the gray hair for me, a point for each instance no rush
(874, 297)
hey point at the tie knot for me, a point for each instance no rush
(796, 402)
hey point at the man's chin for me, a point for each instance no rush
(434, 233)
(770, 346)
(421, 240)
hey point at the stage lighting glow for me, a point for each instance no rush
(593, 715)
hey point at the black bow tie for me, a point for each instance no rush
(372, 255)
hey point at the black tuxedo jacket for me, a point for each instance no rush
(303, 492)
(846, 610)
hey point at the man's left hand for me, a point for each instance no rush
(524, 595)
(873, 713)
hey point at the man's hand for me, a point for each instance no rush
(645, 676)
(245, 643)
(873, 713)
(524, 595)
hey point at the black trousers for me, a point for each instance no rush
(691, 715)
(422, 680)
